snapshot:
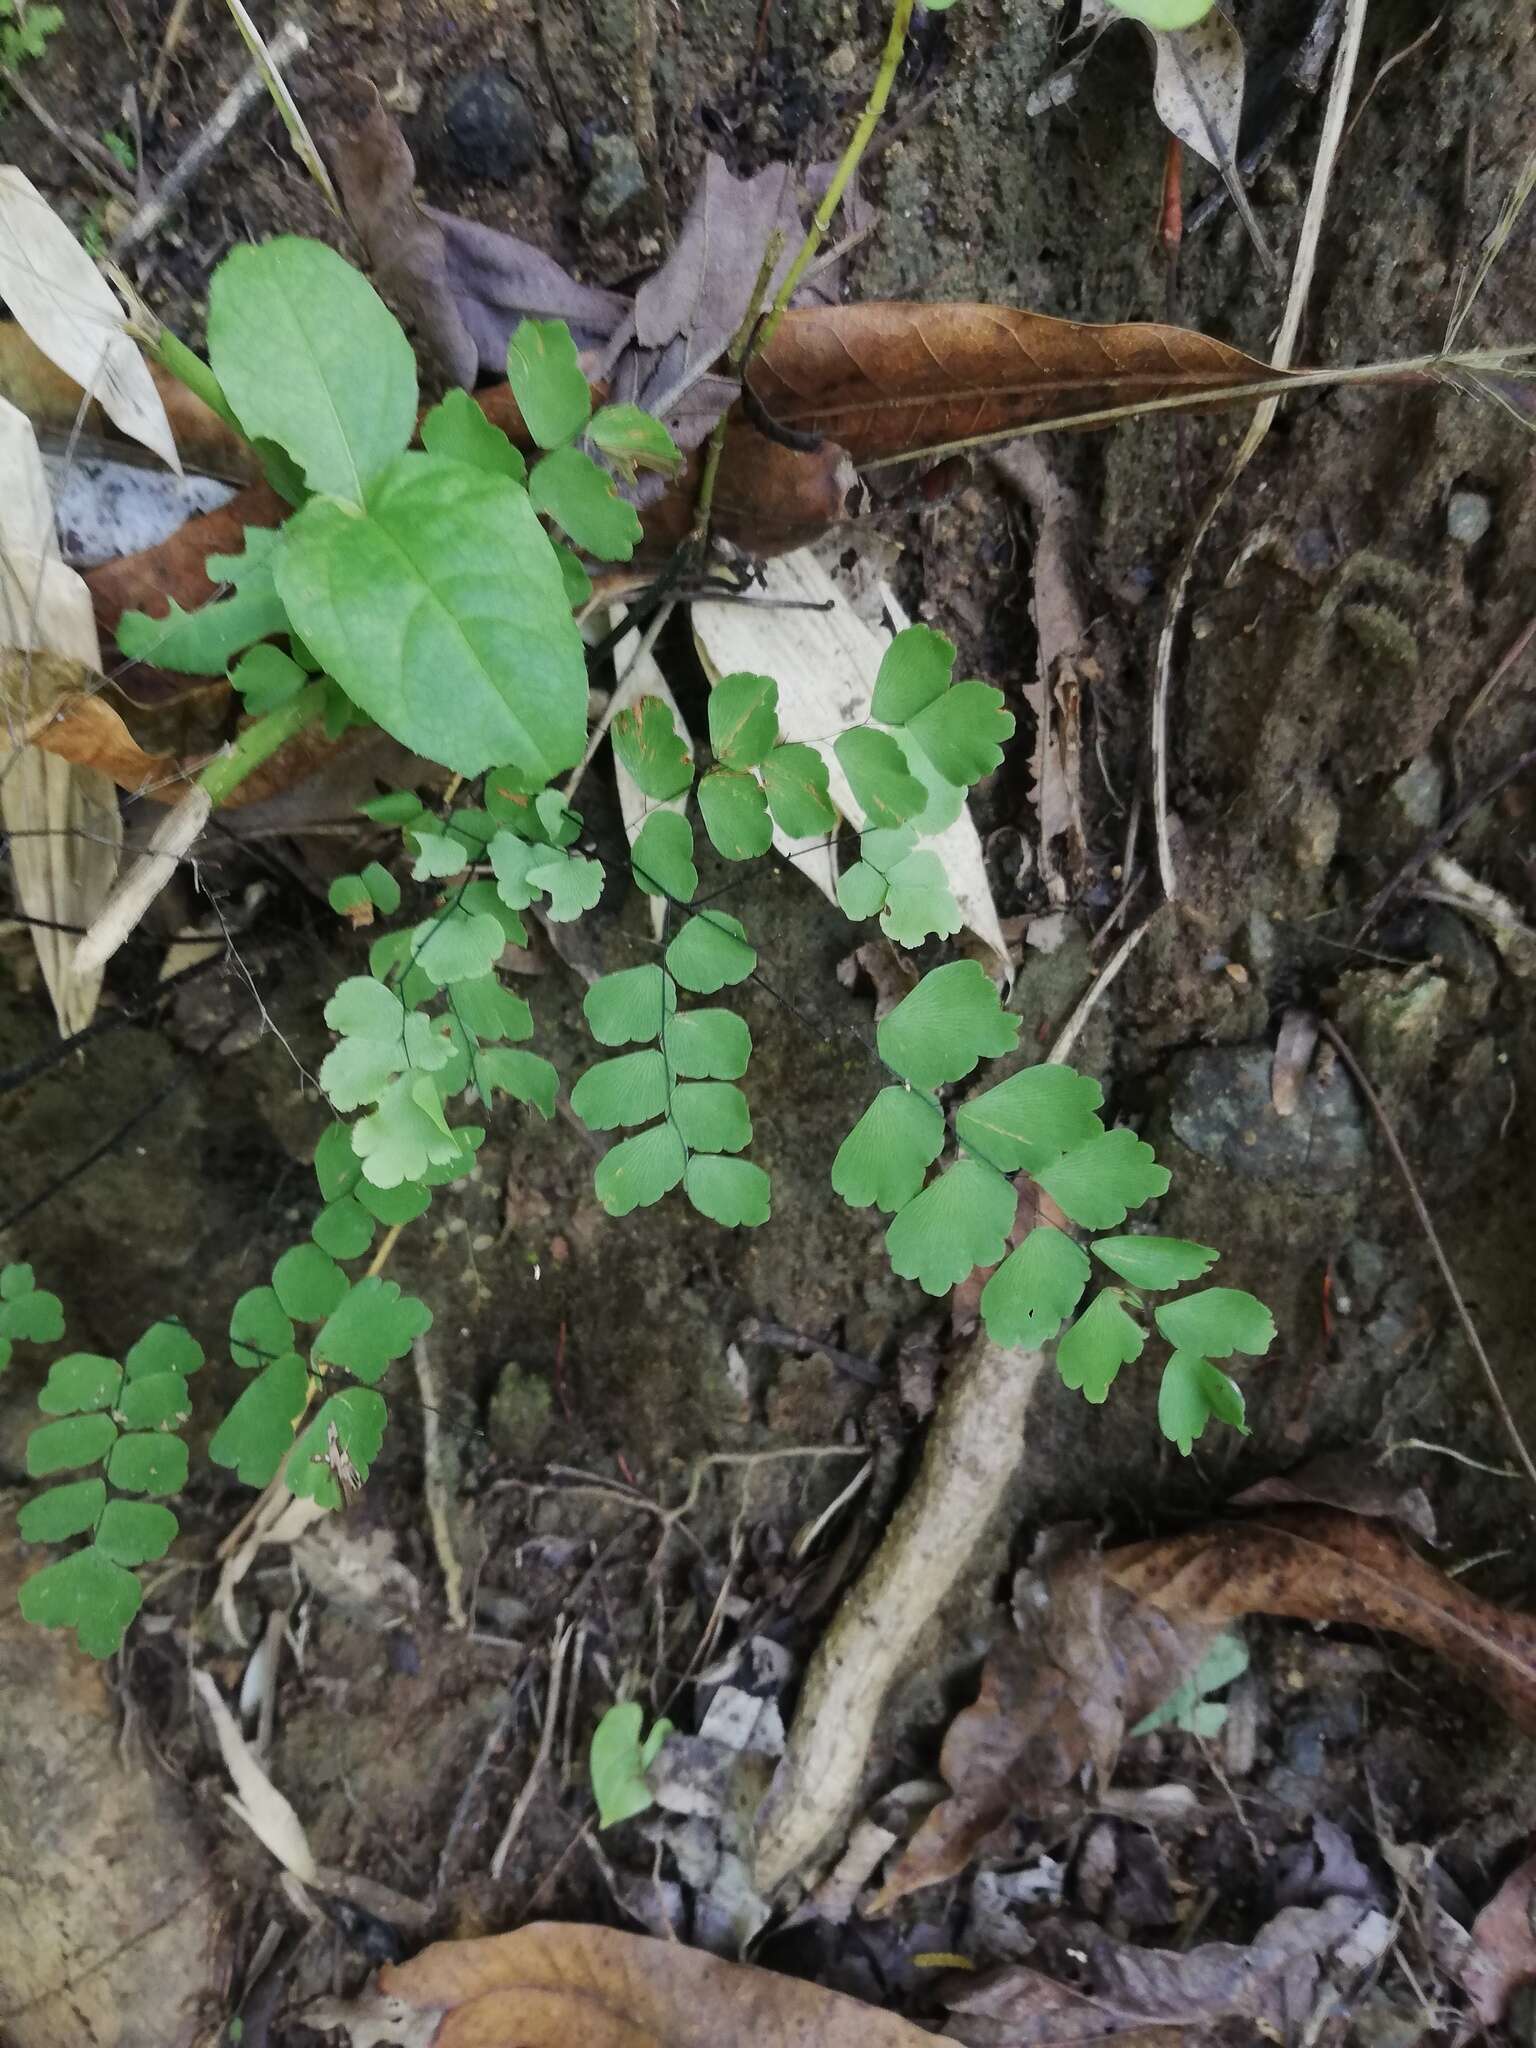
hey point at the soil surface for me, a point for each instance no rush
(1327, 714)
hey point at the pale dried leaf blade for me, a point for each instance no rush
(259, 1804)
(56, 293)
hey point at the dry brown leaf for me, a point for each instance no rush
(1502, 1954)
(1341, 1479)
(550, 1986)
(894, 378)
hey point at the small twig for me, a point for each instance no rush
(756, 1331)
(1443, 837)
(1400, 1160)
(1493, 247)
(1398, 57)
(495, 1736)
(437, 1483)
(1068, 1036)
(287, 106)
(1417, 1443)
(1513, 653)
(519, 1813)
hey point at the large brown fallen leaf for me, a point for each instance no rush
(552, 1986)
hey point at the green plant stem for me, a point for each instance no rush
(736, 357)
(188, 367)
(260, 741)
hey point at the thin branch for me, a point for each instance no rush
(1446, 833)
(1070, 1032)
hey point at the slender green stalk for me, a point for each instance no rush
(260, 741)
(188, 367)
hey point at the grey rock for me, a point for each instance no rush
(618, 179)
(487, 128)
(1221, 1111)
(1419, 792)
(1468, 517)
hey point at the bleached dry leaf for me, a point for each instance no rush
(643, 678)
(825, 663)
(358, 1572)
(256, 1799)
(56, 293)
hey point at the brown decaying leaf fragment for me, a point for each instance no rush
(1502, 1953)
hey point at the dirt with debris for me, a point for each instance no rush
(1358, 590)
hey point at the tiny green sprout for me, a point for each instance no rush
(25, 32)
(1189, 1706)
(619, 1761)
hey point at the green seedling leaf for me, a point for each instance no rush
(1029, 1120)
(712, 1116)
(735, 814)
(795, 783)
(963, 732)
(371, 1326)
(1189, 1706)
(525, 1076)
(1098, 1182)
(953, 1018)
(631, 1089)
(474, 830)
(381, 1038)
(266, 678)
(395, 807)
(513, 860)
(151, 1462)
(438, 856)
(254, 1436)
(481, 899)
(344, 1229)
(459, 431)
(31, 1316)
(619, 1761)
(468, 1138)
(1192, 1392)
(886, 790)
(15, 1281)
(914, 670)
(342, 400)
(491, 1011)
(743, 719)
(135, 1531)
(634, 440)
(1035, 1289)
(1103, 1338)
(710, 953)
(629, 1006)
(571, 882)
(647, 741)
(1216, 1322)
(405, 1135)
(861, 891)
(308, 1284)
(157, 1399)
(662, 859)
(79, 1384)
(443, 614)
(164, 1347)
(558, 824)
(336, 1452)
(942, 801)
(336, 1167)
(1154, 1262)
(459, 944)
(548, 381)
(205, 641)
(86, 1592)
(573, 574)
(708, 1045)
(885, 1158)
(402, 1204)
(258, 1329)
(348, 896)
(1166, 16)
(732, 1192)
(583, 500)
(65, 1446)
(639, 1171)
(919, 903)
(958, 1222)
(63, 1511)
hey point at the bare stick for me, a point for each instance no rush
(1400, 1161)
(519, 1813)
(437, 1481)
(1446, 833)
(1068, 1036)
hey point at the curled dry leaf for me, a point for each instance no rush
(552, 1986)
(256, 1799)
(1502, 1952)
(1341, 1479)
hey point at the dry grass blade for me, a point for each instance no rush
(1493, 247)
(272, 78)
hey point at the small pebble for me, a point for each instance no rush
(488, 128)
(841, 62)
(1468, 517)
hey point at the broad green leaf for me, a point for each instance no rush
(358, 1416)
(583, 500)
(570, 881)
(460, 944)
(1193, 1392)
(484, 1006)
(1099, 1181)
(963, 732)
(135, 1531)
(205, 641)
(371, 1326)
(628, 1006)
(266, 678)
(156, 1398)
(400, 1204)
(80, 1383)
(919, 902)
(437, 856)
(1154, 1262)
(732, 1192)
(886, 1156)
(1029, 1120)
(631, 1089)
(647, 741)
(639, 1171)
(525, 1076)
(343, 1228)
(662, 857)
(886, 790)
(712, 1116)
(1034, 1290)
(942, 801)
(86, 1592)
(708, 1045)
(710, 953)
(443, 614)
(914, 670)
(310, 357)
(958, 1222)
(743, 719)
(258, 1329)
(167, 1346)
(1103, 1338)
(548, 381)
(64, 1446)
(952, 1019)
(150, 1462)
(735, 814)
(1189, 1706)
(405, 1135)
(308, 1284)
(63, 1511)
(795, 783)
(254, 1436)
(619, 1761)
(459, 430)
(634, 439)
(1216, 1322)
(381, 1038)
(32, 1317)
